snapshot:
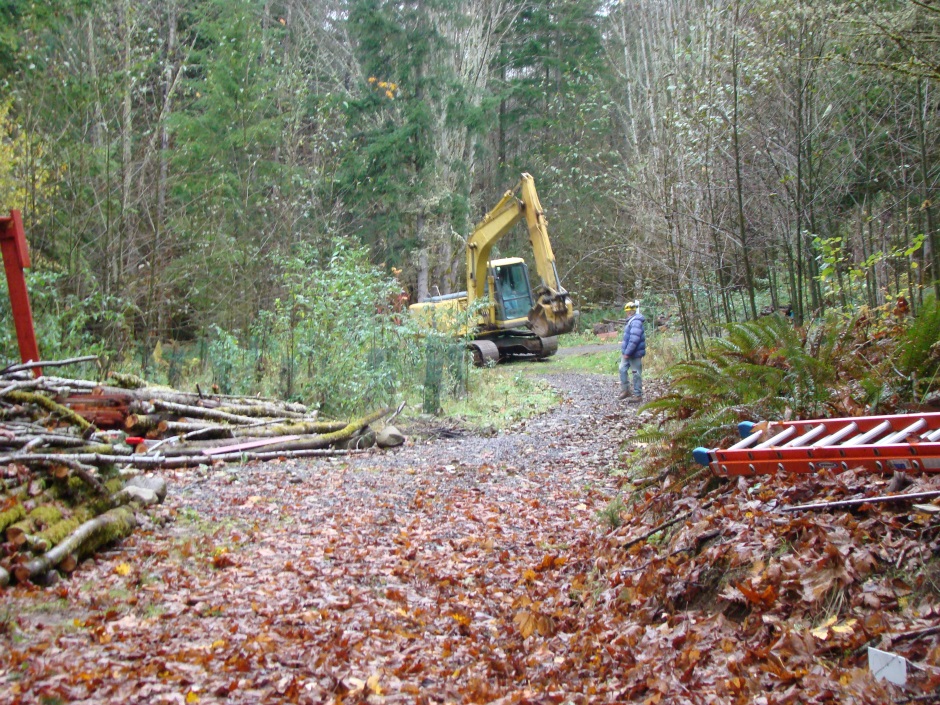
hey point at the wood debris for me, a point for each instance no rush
(68, 447)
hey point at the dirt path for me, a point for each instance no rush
(410, 574)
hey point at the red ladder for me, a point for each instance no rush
(878, 443)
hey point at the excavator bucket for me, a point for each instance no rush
(553, 314)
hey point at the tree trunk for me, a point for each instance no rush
(739, 186)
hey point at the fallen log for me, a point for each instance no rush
(246, 445)
(40, 517)
(847, 503)
(183, 461)
(199, 428)
(327, 439)
(48, 439)
(103, 410)
(10, 516)
(139, 423)
(59, 531)
(291, 428)
(261, 409)
(94, 533)
(233, 404)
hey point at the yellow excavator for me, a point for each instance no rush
(518, 320)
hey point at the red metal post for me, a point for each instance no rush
(15, 260)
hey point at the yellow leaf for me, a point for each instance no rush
(822, 631)
(373, 684)
(846, 627)
(191, 698)
(122, 569)
(525, 620)
(528, 575)
(218, 643)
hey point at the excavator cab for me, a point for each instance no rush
(513, 293)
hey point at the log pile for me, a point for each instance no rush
(68, 447)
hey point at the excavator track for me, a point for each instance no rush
(484, 352)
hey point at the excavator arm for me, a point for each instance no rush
(553, 312)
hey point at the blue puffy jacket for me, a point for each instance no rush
(634, 337)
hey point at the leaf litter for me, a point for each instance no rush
(466, 569)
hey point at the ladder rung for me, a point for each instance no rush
(806, 437)
(837, 436)
(746, 441)
(902, 434)
(775, 440)
(932, 436)
(864, 438)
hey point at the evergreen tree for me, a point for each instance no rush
(406, 180)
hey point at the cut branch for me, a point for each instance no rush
(848, 503)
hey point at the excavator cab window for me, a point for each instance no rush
(513, 293)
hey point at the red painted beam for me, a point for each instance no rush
(15, 260)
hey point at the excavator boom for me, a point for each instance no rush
(552, 313)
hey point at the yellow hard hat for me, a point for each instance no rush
(631, 306)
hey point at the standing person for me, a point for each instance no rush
(632, 350)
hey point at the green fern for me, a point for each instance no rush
(919, 357)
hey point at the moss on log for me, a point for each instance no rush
(59, 531)
(127, 381)
(328, 439)
(10, 516)
(290, 428)
(85, 540)
(37, 519)
(45, 515)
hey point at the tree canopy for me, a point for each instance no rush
(716, 159)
